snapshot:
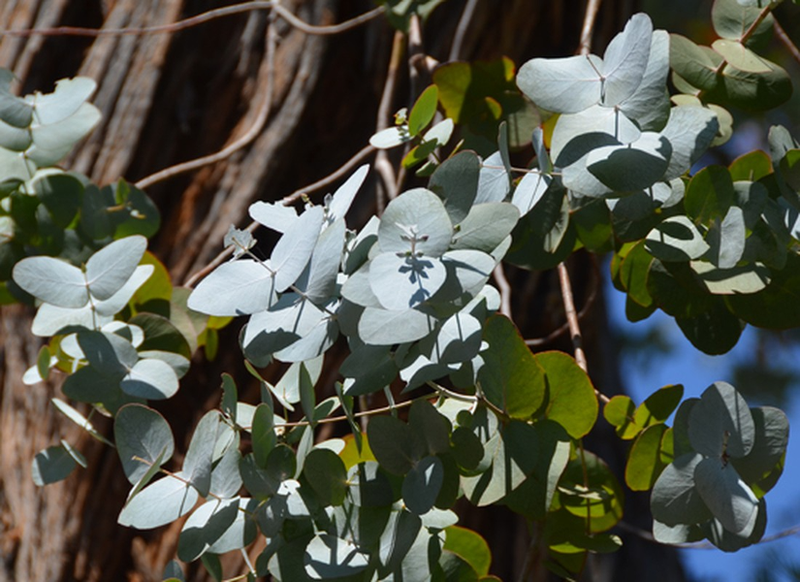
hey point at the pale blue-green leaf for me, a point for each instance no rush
(239, 241)
(459, 339)
(422, 484)
(51, 465)
(158, 504)
(486, 226)
(572, 162)
(530, 190)
(50, 319)
(721, 423)
(403, 282)
(596, 119)
(14, 138)
(565, 85)
(79, 419)
(150, 379)
(343, 197)
(690, 131)
(141, 433)
(74, 453)
(52, 280)
(740, 56)
(120, 299)
(727, 239)
(288, 387)
(382, 327)
(318, 281)
(674, 499)
(440, 132)
(397, 538)
(542, 157)
(772, 436)
(493, 181)
(676, 239)
(357, 288)
(391, 137)
(314, 343)
(581, 182)
(625, 60)
(13, 109)
(235, 288)
(205, 526)
(417, 216)
(108, 353)
(749, 278)
(649, 105)
(225, 478)
(726, 495)
(676, 534)
(328, 557)
(15, 166)
(54, 141)
(470, 270)
(110, 268)
(175, 361)
(293, 251)
(68, 97)
(241, 533)
(273, 215)
(634, 167)
(199, 456)
(456, 181)
(290, 319)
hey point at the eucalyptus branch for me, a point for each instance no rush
(284, 13)
(587, 30)
(461, 30)
(286, 201)
(539, 341)
(787, 42)
(451, 394)
(175, 476)
(372, 412)
(505, 289)
(382, 164)
(572, 315)
(249, 136)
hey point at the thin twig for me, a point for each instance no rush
(382, 164)
(540, 341)
(202, 18)
(248, 137)
(787, 42)
(505, 290)
(589, 18)
(461, 30)
(454, 395)
(342, 418)
(286, 201)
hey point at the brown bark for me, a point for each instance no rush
(166, 98)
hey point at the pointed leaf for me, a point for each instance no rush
(53, 281)
(158, 504)
(293, 251)
(199, 456)
(234, 288)
(565, 85)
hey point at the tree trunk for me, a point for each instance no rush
(167, 98)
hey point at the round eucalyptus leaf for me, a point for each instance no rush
(456, 182)
(415, 222)
(110, 268)
(649, 105)
(571, 400)
(327, 557)
(273, 215)
(486, 226)
(326, 473)
(564, 85)
(625, 60)
(284, 323)
(294, 249)
(235, 288)
(369, 486)
(205, 526)
(384, 328)
(741, 280)
(772, 437)
(151, 379)
(459, 339)
(675, 499)
(66, 100)
(158, 504)
(631, 167)
(690, 131)
(676, 534)
(141, 434)
(53, 281)
(51, 465)
(53, 141)
(720, 424)
(405, 282)
(422, 484)
(726, 495)
(609, 121)
(676, 239)
(493, 180)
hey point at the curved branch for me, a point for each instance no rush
(284, 13)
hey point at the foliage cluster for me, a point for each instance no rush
(410, 295)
